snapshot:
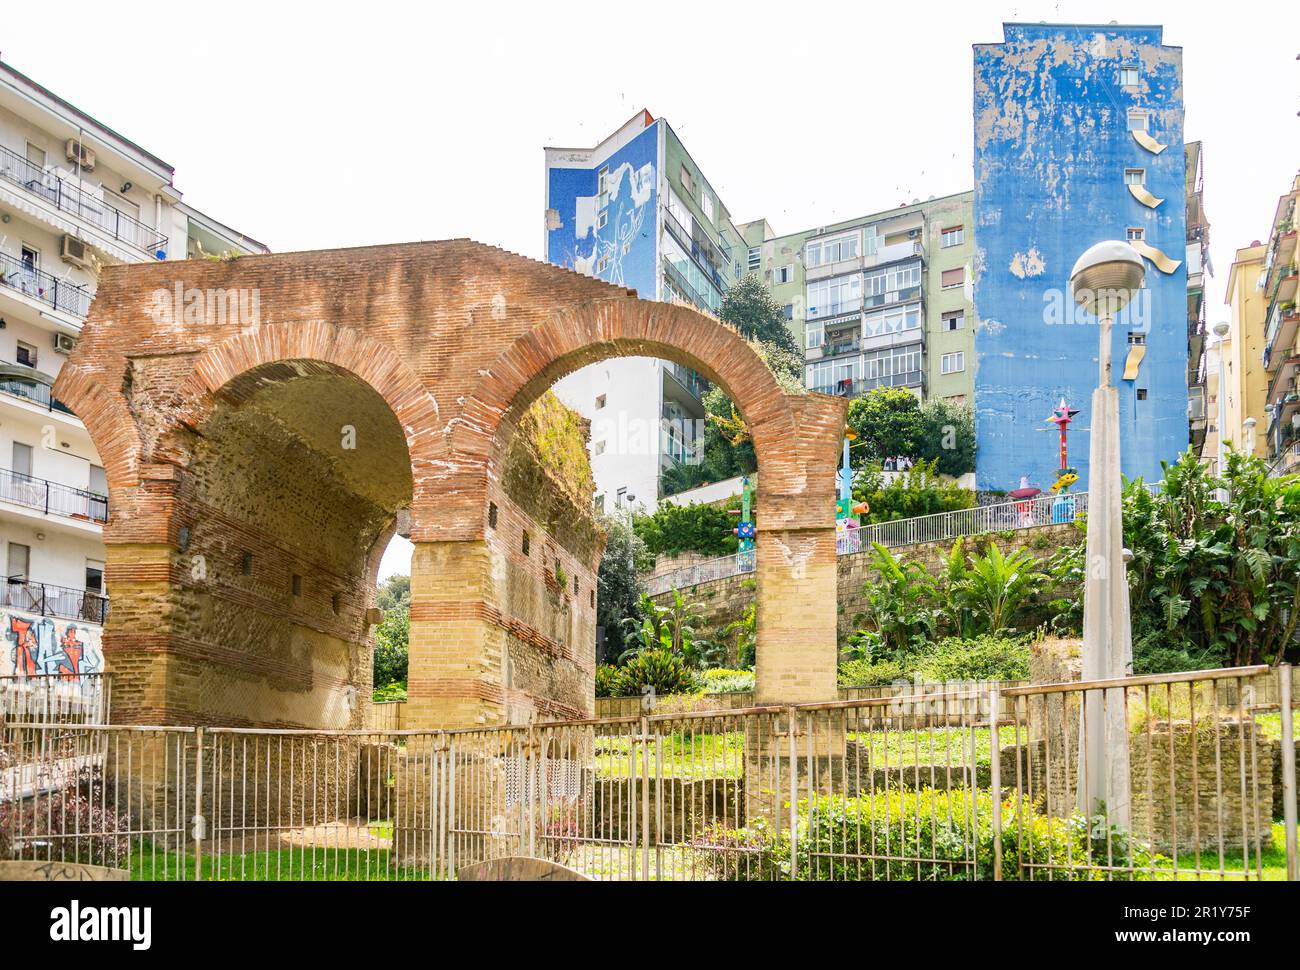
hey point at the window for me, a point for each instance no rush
(952, 236)
(600, 448)
(892, 367)
(22, 455)
(841, 294)
(492, 515)
(1135, 235)
(788, 310)
(953, 321)
(1135, 176)
(31, 259)
(784, 274)
(815, 336)
(295, 584)
(602, 264)
(19, 561)
(706, 203)
(688, 183)
(36, 155)
(1137, 339)
(246, 564)
(1128, 77)
(1141, 393)
(905, 276)
(952, 278)
(601, 180)
(894, 320)
(1138, 119)
(677, 209)
(336, 603)
(755, 258)
(599, 503)
(822, 251)
(603, 219)
(98, 480)
(527, 543)
(94, 576)
(600, 402)
(953, 363)
(26, 354)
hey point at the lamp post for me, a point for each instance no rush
(1248, 432)
(1103, 281)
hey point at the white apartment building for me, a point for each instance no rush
(74, 196)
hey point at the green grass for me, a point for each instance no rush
(297, 864)
(1272, 862)
(692, 756)
(1270, 726)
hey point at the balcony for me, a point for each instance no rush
(67, 197)
(896, 251)
(53, 292)
(695, 385)
(52, 498)
(1280, 332)
(32, 386)
(57, 601)
(855, 388)
(853, 305)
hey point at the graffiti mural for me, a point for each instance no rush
(42, 645)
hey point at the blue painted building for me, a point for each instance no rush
(1078, 138)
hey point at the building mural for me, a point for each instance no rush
(605, 211)
(42, 645)
(1078, 138)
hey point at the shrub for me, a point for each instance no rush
(866, 673)
(983, 658)
(929, 836)
(95, 835)
(609, 679)
(392, 691)
(721, 681)
(661, 670)
(674, 529)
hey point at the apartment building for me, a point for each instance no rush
(1281, 357)
(1240, 356)
(1078, 133)
(637, 210)
(878, 301)
(74, 196)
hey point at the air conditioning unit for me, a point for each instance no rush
(73, 250)
(64, 343)
(77, 152)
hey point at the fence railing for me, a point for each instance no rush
(49, 600)
(942, 526)
(52, 498)
(56, 698)
(1177, 776)
(60, 294)
(67, 196)
(33, 390)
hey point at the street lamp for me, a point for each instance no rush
(1248, 429)
(1104, 280)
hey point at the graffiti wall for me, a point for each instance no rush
(606, 215)
(33, 644)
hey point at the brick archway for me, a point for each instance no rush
(441, 346)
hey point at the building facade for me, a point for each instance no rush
(1078, 138)
(74, 196)
(637, 211)
(1281, 356)
(878, 301)
(1242, 351)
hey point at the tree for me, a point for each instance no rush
(618, 590)
(947, 437)
(888, 423)
(392, 636)
(674, 529)
(750, 308)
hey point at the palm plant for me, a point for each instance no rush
(997, 586)
(901, 609)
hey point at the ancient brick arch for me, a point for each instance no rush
(219, 419)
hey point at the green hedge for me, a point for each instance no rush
(672, 530)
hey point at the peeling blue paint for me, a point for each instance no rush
(1052, 144)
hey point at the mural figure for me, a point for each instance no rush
(39, 648)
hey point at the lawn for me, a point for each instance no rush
(941, 747)
(691, 756)
(148, 862)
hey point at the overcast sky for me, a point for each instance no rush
(329, 124)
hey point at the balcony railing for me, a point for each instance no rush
(51, 497)
(66, 196)
(58, 601)
(31, 389)
(50, 290)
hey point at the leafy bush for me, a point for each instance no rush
(674, 529)
(393, 691)
(95, 835)
(722, 681)
(608, 680)
(661, 670)
(868, 673)
(929, 836)
(983, 658)
(674, 628)
(918, 491)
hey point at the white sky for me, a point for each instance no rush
(330, 124)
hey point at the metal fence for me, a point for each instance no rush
(940, 527)
(983, 782)
(57, 698)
